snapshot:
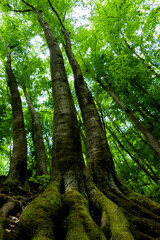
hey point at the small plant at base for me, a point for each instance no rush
(42, 181)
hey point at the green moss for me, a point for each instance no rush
(80, 225)
(1, 233)
(75, 228)
(37, 221)
(119, 225)
(141, 200)
(41, 237)
(145, 202)
(3, 223)
(13, 186)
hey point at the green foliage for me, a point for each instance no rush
(42, 181)
(154, 193)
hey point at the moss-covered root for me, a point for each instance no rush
(112, 216)
(4, 222)
(1, 229)
(139, 199)
(1, 232)
(38, 220)
(145, 202)
(80, 224)
(8, 205)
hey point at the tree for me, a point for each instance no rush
(18, 164)
(41, 167)
(88, 202)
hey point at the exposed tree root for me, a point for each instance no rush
(80, 224)
(142, 236)
(113, 221)
(39, 218)
(154, 207)
(9, 206)
(116, 218)
(149, 226)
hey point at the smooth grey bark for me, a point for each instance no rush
(153, 142)
(18, 164)
(41, 167)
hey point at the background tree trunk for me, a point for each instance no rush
(18, 164)
(153, 142)
(41, 167)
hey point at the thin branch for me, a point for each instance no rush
(13, 10)
(27, 10)
(28, 4)
(140, 58)
(54, 10)
(64, 16)
(154, 65)
(83, 61)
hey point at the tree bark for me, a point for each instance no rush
(99, 156)
(18, 164)
(67, 154)
(41, 167)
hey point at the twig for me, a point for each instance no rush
(28, 4)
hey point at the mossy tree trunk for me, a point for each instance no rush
(18, 164)
(41, 167)
(97, 206)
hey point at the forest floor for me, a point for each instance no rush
(10, 214)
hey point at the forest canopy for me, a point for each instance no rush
(51, 123)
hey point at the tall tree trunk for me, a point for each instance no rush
(153, 142)
(41, 167)
(18, 164)
(67, 154)
(99, 155)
